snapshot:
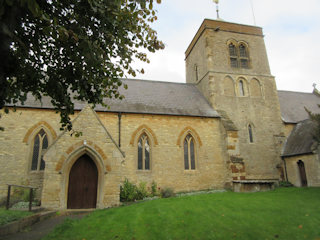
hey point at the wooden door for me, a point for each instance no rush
(302, 172)
(83, 181)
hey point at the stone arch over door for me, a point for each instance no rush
(302, 174)
(67, 168)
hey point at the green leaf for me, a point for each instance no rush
(85, 47)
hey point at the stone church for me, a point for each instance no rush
(227, 127)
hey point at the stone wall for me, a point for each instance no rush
(288, 128)
(167, 134)
(259, 106)
(312, 168)
(100, 136)
(16, 143)
(95, 141)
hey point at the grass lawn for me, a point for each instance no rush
(7, 216)
(285, 213)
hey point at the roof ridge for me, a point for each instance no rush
(295, 92)
(158, 81)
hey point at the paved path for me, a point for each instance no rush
(40, 229)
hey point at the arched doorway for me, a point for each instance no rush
(83, 181)
(302, 172)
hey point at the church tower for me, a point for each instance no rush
(229, 65)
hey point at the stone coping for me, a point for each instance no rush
(254, 181)
(20, 224)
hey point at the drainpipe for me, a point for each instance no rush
(119, 122)
(285, 167)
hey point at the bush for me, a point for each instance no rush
(142, 191)
(128, 191)
(167, 192)
(154, 189)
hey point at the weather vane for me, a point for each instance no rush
(217, 8)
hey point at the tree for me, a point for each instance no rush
(315, 117)
(72, 49)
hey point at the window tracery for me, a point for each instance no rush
(40, 144)
(233, 55)
(144, 152)
(239, 56)
(189, 153)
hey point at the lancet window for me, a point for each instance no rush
(189, 153)
(40, 144)
(144, 152)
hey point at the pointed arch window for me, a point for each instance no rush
(243, 50)
(233, 55)
(244, 60)
(239, 56)
(250, 132)
(40, 144)
(189, 153)
(144, 153)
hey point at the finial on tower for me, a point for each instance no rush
(217, 8)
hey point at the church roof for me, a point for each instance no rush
(300, 141)
(149, 97)
(292, 105)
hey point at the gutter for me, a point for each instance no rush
(119, 128)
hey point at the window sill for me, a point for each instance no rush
(36, 171)
(190, 171)
(142, 171)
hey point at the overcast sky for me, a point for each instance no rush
(291, 29)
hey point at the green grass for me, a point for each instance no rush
(285, 213)
(7, 216)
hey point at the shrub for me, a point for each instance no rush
(128, 191)
(142, 191)
(154, 189)
(167, 192)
